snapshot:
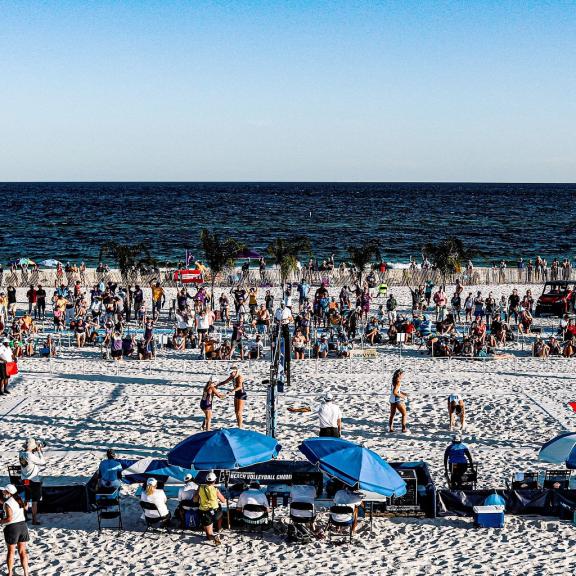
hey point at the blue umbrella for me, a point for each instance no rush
(224, 449)
(138, 471)
(353, 465)
(560, 450)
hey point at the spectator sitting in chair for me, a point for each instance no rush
(372, 334)
(185, 494)
(554, 345)
(425, 328)
(569, 348)
(321, 348)
(540, 349)
(48, 350)
(256, 348)
(457, 459)
(178, 341)
(156, 496)
(110, 471)
(254, 495)
(343, 346)
(525, 321)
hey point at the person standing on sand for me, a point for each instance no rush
(158, 299)
(329, 417)
(15, 529)
(398, 402)
(240, 395)
(208, 394)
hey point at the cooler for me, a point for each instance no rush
(489, 516)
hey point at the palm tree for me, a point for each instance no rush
(285, 252)
(447, 256)
(130, 258)
(362, 255)
(218, 254)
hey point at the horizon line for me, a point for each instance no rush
(485, 182)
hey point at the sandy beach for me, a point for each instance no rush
(81, 404)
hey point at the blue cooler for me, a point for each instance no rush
(489, 516)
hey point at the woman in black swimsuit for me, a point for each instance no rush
(239, 393)
(206, 403)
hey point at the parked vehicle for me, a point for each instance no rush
(556, 298)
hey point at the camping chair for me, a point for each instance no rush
(340, 517)
(463, 479)
(556, 479)
(260, 523)
(15, 474)
(302, 517)
(190, 511)
(155, 522)
(525, 481)
(108, 506)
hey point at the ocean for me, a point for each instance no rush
(70, 221)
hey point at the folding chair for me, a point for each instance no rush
(15, 474)
(525, 481)
(302, 518)
(258, 523)
(463, 479)
(108, 506)
(192, 508)
(557, 479)
(155, 522)
(340, 517)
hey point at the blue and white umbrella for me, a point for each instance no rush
(50, 263)
(138, 471)
(560, 450)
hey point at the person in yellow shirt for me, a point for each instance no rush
(209, 498)
(158, 298)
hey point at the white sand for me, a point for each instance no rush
(81, 405)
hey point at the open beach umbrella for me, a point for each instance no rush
(353, 464)
(224, 449)
(50, 263)
(560, 450)
(140, 470)
(22, 262)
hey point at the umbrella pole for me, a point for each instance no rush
(227, 503)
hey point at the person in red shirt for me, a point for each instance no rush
(32, 296)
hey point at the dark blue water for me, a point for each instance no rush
(72, 221)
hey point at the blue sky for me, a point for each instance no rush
(287, 91)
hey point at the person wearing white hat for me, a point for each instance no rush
(329, 417)
(187, 491)
(209, 499)
(15, 529)
(156, 496)
(31, 461)
(185, 494)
